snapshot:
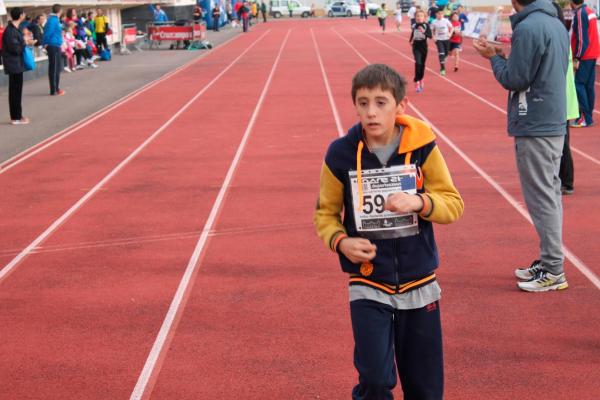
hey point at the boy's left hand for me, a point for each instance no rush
(404, 203)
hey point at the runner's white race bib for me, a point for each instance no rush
(372, 220)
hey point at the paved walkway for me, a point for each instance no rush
(87, 91)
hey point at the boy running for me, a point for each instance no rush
(389, 179)
(398, 16)
(381, 16)
(419, 33)
(441, 29)
(462, 17)
(455, 39)
(411, 12)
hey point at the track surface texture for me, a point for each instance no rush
(172, 255)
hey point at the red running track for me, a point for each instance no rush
(265, 313)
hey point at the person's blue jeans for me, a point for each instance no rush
(585, 78)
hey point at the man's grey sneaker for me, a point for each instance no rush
(528, 273)
(543, 282)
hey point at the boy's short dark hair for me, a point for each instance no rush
(379, 76)
(56, 8)
(577, 2)
(15, 13)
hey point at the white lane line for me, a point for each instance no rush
(576, 261)
(184, 285)
(49, 141)
(336, 115)
(584, 155)
(128, 241)
(8, 268)
(464, 89)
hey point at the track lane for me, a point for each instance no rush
(95, 311)
(37, 192)
(270, 307)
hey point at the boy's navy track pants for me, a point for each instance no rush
(409, 339)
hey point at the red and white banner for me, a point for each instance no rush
(192, 32)
(129, 35)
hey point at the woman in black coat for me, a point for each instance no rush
(13, 44)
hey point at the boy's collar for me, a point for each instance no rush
(416, 133)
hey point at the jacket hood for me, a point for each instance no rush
(544, 6)
(416, 133)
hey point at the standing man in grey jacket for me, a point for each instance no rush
(535, 75)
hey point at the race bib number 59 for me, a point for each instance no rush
(377, 185)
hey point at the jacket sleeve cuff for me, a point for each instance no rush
(336, 239)
(427, 209)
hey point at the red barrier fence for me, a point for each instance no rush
(129, 35)
(193, 32)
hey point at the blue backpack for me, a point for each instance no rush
(105, 55)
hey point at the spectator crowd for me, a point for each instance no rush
(81, 35)
(72, 41)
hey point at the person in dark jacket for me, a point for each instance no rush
(216, 16)
(263, 10)
(567, 170)
(535, 76)
(197, 15)
(586, 50)
(52, 42)
(13, 44)
(244, 12)
(36, 29)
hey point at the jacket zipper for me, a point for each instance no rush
(396, 268)
(396, 264)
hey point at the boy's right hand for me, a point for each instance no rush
(357, 250)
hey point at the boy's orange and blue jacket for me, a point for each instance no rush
(404, 263)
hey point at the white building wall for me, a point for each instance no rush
(423, 3)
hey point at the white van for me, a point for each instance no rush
(280, 8)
